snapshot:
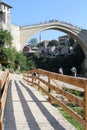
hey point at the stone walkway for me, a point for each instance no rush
(27, 109)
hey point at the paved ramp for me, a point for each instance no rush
(27, 109)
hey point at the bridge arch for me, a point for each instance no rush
(68, 31)
(26, 32)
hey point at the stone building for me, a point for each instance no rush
(5, 24)
(5, 17)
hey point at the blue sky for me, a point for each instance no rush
(27, 12)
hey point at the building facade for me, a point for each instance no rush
(5, 24)
(5, 16)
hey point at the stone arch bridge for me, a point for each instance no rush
(26, 32)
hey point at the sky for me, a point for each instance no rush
(27, 12)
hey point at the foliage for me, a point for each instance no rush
(17, 60)
(30, 64)
(20, 61)
(2, 54)
(40, 45)
(0, 67)
(73, 91)
(5, 38)
(79, 110)
(66, 62)
(6, 52)
(13, 58)
(71, 120)
(37, 55)
(33, 42)
(53, 43)
(10, 56)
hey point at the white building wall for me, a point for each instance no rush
(5, 19)
(15, 32)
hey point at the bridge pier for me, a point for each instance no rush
(84, 68)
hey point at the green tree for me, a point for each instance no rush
(10, 54)
(20, 61)
(36, 55)
(5, 38)
(30, 64)
(7, 57)
(53, 43)
(33, 42)
(5, 46)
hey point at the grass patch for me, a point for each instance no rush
(69, 118)
(75, 92)
(78, 110)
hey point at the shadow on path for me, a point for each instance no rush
(53, 122)
(27, 112)
(9, 121)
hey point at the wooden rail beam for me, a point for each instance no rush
(3, 86)
(76, 81)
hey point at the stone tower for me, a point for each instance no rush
(5, 18)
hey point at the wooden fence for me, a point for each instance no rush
(4, 78)
(52, 84)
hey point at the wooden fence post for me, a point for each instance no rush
(49, 89)
(27, 77)
(0, 125)
(38, 82)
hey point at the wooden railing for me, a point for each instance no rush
(51, 84)
(4, 79)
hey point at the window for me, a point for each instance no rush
(8, 9)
